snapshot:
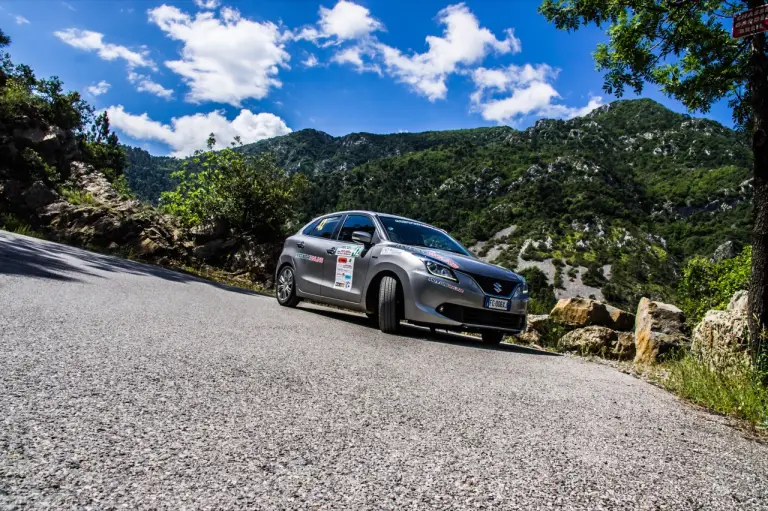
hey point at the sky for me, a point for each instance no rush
(169, 73)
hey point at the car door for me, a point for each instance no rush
(347, 268)
(312, 250)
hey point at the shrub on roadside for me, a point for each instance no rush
(248, 194)
(706, 285)
(78, 197)
(739, 393)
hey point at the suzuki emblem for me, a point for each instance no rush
(497, 287)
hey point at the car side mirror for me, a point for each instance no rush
(362, 237)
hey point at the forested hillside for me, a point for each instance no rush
(613, 201)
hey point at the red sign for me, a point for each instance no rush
(750, 22)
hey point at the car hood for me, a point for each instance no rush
(462, 263)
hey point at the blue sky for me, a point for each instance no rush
(171, 72)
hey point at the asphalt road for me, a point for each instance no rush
(123, 384)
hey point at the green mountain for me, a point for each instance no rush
(606, 204)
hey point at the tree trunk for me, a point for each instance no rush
(758, 290)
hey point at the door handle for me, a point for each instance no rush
(300, 244)
(331, 250)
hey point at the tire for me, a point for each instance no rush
(492, 337)
(285, 287)
(389, 322)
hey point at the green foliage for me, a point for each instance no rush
(246, 193)
(542, 295)
(123, 189)
(103, 151)
(78, 197)
(707, 285)
(740, 392)
(32, 105)
(10, 223)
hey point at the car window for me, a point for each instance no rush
(356, 223)
(325, 227)
(408, 232)
(308, 229)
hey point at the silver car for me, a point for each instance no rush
(393, 268)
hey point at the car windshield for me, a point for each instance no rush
(417, 234)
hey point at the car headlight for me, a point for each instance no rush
(438, 270)
(521, 290)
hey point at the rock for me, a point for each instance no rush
(11, 191)
(739, 303)
(625, 346)
(720, 340)
(591, 340)
(621, 320)
(727, 250)
(581, 312)
(537, 328)
(39, 195)
(659, 329)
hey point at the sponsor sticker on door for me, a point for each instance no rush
(345, 271)
(314, 259)
(349, 250)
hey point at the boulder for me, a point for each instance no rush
(727, 250)
(581, 312)
(659, 329)
(599, 340)
(620, 319)
(536, 329)
(720, 340)
(39, 195)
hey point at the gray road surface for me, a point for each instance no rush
(123, 384)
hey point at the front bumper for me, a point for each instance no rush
(459, 305)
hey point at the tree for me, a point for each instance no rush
(683, 47)
(103, 149)
(248, 194)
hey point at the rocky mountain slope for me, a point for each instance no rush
(607, 204)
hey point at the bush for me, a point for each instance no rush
(542, 295)
(248, 194)
(706, 285)
(739, 393)
(78, 197)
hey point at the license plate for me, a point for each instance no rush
(497, 303)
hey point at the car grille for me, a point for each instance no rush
(487, 285)
(470, 315)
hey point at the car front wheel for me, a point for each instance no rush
(286, 288)
(492, 337)
(389, 322)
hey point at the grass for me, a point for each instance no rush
(739, 393)
(78, 197)
(12, 224)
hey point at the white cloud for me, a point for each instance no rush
(98, 89)
(207, 4)
(463, 43)
(354, 56)
(225, 59)
(145, 84)
(345, 21)
(310, 61)
(68, 6)
(528, 92)
(93, 41)
(186, 134)
(21, 20)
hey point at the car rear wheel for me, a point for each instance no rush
(492, 337)
(286, 288)
(389, 322)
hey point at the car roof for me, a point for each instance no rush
(356, 211)
(388, 215)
